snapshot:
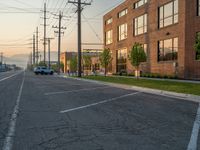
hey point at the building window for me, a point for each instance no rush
(109, 21)
(122, 32)
(168, 14)
(168, 49)
(197, 55)
(139, 3)
(197, 50)
(122, 13)
(198, 7)
(141, 24)
(121, 60)
(109, 37)
(96, 66)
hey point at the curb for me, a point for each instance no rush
(187, 97)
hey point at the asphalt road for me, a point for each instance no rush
(55, 113)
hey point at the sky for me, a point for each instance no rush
(19, 19)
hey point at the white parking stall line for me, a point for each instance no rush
(12, 125)
(85, 89)
(98, 103)
(195, 132)
(9, 76)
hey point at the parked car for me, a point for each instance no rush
(43, 70)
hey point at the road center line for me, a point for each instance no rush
(98, 103)
(85, 89)
(9, 77)
(195, 132)
(12, 125)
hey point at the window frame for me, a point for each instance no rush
(109, 21)
(120, 14)
(136, 4)
(173, 50)
(144, 26)
(124, 62)
(198, 7)
(121, 34)
(172, 16)
(196, 53)
(109, 39)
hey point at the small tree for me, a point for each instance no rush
(41, 63)
(105, 59)
(73, 64)
(137, 56)
(87, 60)
(55, 66)
(197, 46)
(62, 66)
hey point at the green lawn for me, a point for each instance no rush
(179, 87)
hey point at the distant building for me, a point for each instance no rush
(65, 59)
(166, 29)
(94, 53)
(95, 62)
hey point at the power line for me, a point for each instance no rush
(96, 34)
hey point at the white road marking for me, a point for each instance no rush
(9, 77)
(195, 132)
(11, 130)
(98, 103)
(85, 89)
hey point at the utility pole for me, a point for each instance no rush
(40, 57)
(34, 49)
(45, 32)
(37, 51)
(79, 9)
(45, 25)
(1, 58)
(59, 27)
(49, 51)
(31, 60)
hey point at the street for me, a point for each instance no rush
(55, 113)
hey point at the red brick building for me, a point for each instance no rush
(166, 28)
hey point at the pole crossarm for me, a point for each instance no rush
(76, 2)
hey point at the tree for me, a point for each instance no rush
(73, 64)
(197, 46)
(105, 59)
(87, 62)
(55, 67)
(137, 56)
(41, 63)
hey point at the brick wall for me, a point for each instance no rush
(185, 30)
